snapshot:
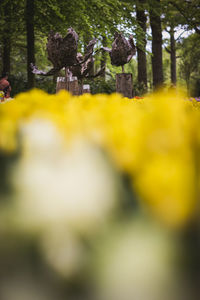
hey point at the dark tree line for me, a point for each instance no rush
(22, 21)
(29, 13)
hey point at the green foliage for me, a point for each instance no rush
(190, 61)
(102, 86)
(190, 13)
(139, 89)
(47, 84)
(195, 90)
(19, 84)
(166, 66)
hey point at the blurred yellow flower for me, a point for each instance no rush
(155, 140)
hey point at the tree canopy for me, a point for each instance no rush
(25, 24)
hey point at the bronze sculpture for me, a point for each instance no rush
(62, 52)
(122, 50)
(83, 70)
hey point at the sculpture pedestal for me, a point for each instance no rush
(86, 88)
(71, 85)
(124, 84)
(61, 84)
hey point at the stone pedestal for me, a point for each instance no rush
(124, 84)
(86, 88)
(70, 84)
(61, 84)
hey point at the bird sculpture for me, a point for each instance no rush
(122, 50)
(62, 52)
(83, 70)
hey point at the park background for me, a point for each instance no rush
(170, 29)
(99, 194)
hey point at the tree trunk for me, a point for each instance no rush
(103, 58)
(30, 41)
(157, 65)
(187, 80)
(87, 39)
(141, 57)
(173, 56)
(6, 55)
(6, 39)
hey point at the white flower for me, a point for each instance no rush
(57, 185)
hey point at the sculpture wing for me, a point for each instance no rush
(89, 51)
(62, 51)
(51, 72)
(106, 49)
(68, 49)
(132, 48)
(87, 67)
(53, 45)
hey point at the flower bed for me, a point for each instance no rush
(102, 172)
(154, 140)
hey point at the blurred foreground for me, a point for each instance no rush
(99, 197)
